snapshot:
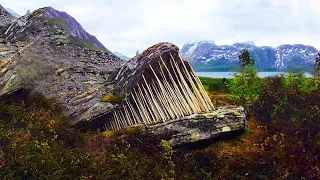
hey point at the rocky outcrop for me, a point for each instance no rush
(5, 17)
(36, 54)
(50, 24)
(201, 127)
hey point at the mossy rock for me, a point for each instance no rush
(112, 98)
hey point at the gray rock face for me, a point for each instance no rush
(5, 17)
(52, 25)
(36, 54)
(75, 30)
(200, 127)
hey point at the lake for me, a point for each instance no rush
(230, 74)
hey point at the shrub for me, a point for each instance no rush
(245, 87)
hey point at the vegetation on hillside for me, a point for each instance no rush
(282, 141)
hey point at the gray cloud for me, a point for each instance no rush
(130, 25)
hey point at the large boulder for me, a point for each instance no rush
(201, 127)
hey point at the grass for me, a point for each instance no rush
(215, 84)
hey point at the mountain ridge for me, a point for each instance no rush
(13, 13)
(208, 56)
(121, 56)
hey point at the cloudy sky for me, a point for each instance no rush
(130, 25)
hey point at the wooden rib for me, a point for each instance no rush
(195, 101)
(192, 102)
(119, 120)
(134, 117)
(161, 101)
(128, 116)
(152, 103)
(143, 108)
(182, 100)
(148, 105)
(184, 94)
(170, 101)
(140, 111)
(124, 120)
(203, 106)
(144, 104)
(112, 124)
(195, 89)
(174, 101)
(116, 120)
(133, 111)
(163, 91)
(203, 91)
(157, 107)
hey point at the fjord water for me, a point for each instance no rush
(230, 74)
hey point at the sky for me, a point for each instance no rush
(128, 26)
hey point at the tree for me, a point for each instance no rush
(317, 66)
(245, 87)
(245, 59)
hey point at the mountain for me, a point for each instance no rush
(13, 13)
(5, 17)
(121, 56)
(207, 56)
(48, 52)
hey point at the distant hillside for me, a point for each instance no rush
(121, 56)
(13, 13)
(207, 56)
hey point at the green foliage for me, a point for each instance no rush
(33, 142)
(215, 84)
(300, 82)
(245, 87)
(245, 59)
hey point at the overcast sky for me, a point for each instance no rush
(130, 25)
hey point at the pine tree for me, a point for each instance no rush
(317, 66)
(245, 59)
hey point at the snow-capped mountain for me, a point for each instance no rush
(207, 56)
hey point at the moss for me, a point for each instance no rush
(112, 98)
(194, 121)
(236, 113)
(194, 137)
(86, 44)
